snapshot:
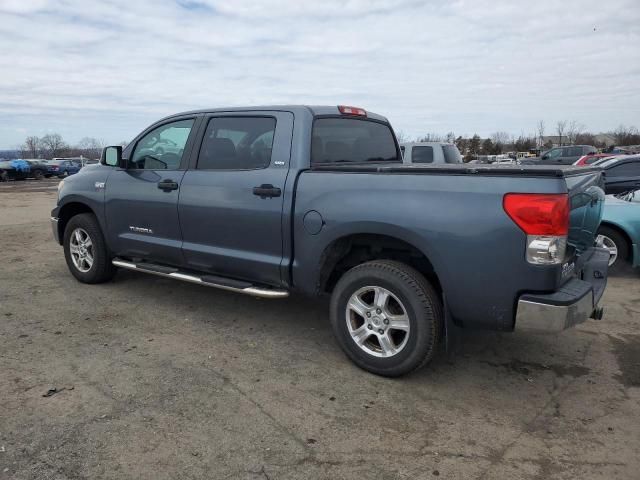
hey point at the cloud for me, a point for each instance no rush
(108, 68)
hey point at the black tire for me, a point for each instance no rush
(38, 175)
(622, 261)
(4, 176)
(420, 301)
(102, 270)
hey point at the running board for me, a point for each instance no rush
(206, 280)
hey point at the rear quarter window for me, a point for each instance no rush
(451, 154)
(340, 140)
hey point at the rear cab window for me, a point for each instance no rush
(352, 140)
(422, 155)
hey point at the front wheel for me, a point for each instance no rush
(386, 317)
(85, 250)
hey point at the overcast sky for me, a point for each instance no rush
(108, 68)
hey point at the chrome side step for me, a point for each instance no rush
(170, 272)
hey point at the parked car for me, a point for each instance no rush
(621, 173)
(430, 152)
(63, 168)
(619, 231)
(38, 169)
(591, 158)
(563, 155)
(13, 170)
(269, 201)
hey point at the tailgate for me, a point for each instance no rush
(586, 196)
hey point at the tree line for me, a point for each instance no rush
(564, 133)
(53, 145)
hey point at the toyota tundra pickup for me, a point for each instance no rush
(266, 201)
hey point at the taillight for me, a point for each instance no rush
(345, 110)
(544, 218)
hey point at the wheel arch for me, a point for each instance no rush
(349, 250)
(67, 212)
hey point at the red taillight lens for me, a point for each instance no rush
(539, 213)
(345, 110)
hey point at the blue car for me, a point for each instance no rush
(63, 168)
(620, 230)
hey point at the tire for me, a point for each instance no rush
(4, 176)
(613, 238)
(101, 269)
(38, 175)
(407, 291)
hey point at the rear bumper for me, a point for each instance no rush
(573, 303)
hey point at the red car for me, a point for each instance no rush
(591, 158)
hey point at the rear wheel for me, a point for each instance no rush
(386, 317)
(38, 175)
(4, 176)
(85, 250)
(618, 248)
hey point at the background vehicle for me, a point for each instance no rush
(13, 170)
(38, 169)
(619, 231)
(621, 173)
(63, 168)
(564, 155)
(430, 152)
(592, 158)
(265, 201)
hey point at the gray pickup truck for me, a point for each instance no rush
(271, 200)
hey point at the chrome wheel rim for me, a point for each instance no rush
(610, 245)
(377, 321)
(81, 249)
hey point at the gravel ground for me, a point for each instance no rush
(162, 380)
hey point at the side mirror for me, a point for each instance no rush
(112, 156)
(545, 156)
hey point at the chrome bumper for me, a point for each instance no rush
(54, 227)
(574, 302)
(545, 318)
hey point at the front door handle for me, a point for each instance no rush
(167, 185)
(267, 190)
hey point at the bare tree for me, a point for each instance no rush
(540, 130)
(401, 136)
(53, 144)
(573, 130)
(626, 135)
(91, 147)
(561, 127)
(450, 137)
(431, 137)
(31, 147)
(500, 139)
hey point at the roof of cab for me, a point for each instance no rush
(314, 110)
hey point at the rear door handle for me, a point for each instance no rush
(267, 190)
(167, 185)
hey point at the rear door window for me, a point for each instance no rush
(350, 140)
(422, 155)
(237, 143)
(631, 169)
